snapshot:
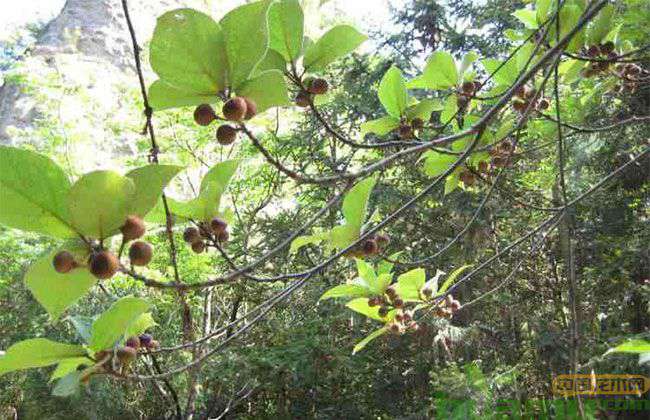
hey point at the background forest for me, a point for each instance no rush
(62, 99)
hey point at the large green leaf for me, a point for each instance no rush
(505, 74)
(267, 90)
(301, 241)
(346, 290)
(436, 163)
(363, 343)
(69, 365)
(54, 291)
(335, 43)
(286, 28)
(112, 325)
(162, 95)
(451, 279)
(392, 92)
(601, 25)
(409, 284)
(187, 52)
(271, 61)
(380, 126)
(355, 203)
(439, 73)
(37, 352)
(32, 193)
(361, 306)
(632, 346)
(423, 109)
(140, 325)
(221, 173)
(149, 183)
(246, 38)
(99, 203)
(343, 236)
(569, 16)
(528, 17)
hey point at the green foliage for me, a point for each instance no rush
(37, 352)
(439, 73)
(335, 43)
(112, 325)
(286, 28)
(392, 92)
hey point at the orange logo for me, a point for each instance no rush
(606, 384)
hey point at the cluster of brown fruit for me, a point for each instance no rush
(501, 156)
(371, 246)
(216, 230)
(630, 75)
(312, 87)
(446, 308)
(403, 322)
(235, 109)
(603, 51)
(407, 128)
(523, 97)
(466, 92)
(102, 263)
(118, 359)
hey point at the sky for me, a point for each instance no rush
(366, 14)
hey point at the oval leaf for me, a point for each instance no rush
(335, 43)
(37, 352)
(112, 325)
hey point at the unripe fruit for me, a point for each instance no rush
(370, 247)
(373, 301)
(133, 228)
(477, 86)
(218, 225)
(499, 162)
(383, 311)
(520, 92)
(318, 86)
(133, 342)
(145, 340)
(222, 237)
(63, 262)
(417, 123)
(390, 292)
(251, 108)
(468, 87)
(407, 317)
(607, 47)
(467, 178)
(543, 104)
(303, 99)
(530, 93)
(204, 115)
(191, 235)
(612, 56)
(104, 265)
(154, 344)
(404, 131)
(126, 354)
(399, 317)
(198, 247)
(593, 51)
(226, 134)
(234, 109)
(398, 302)
(204, 230)
(140, 253)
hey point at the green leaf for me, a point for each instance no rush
(335, 43)
(423, 109)
(392, 92)
(37, 352)
(32, 193)
(542, 8)
(451, 279)
(271, 61)
(99, 203)
(82, 325)
(409, 285)
(267, 90)
(54, 291)
(68, 385)
(631, 346)
(504, 75)
(568, 17)
(600, 26)
(162, 95)
(570, 70)
(439, 73)
(451, 183)
(246, 39)
(380, 126)
(360, 305)
(67, 366)
(301, 241)
(366, 272)
(342, 236)
(286, 28)
(149, 183)
(140, 325)
(468, 60)
(112, 325)
(528, 17)
(213, 185)
(386, 266)
(346, 290)
(221, 173)
(363, 343)
(355, 203)
(450, 110)
(523, 56)
(187, 53)
(436, 164)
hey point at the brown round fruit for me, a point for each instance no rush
(226, 134)
(468, 87)
(417, 123)
(370, 247)
(607, 47)
(543, 104)
(303, 99)
(234, 109)
(140, 253)
(251, 108)
(126, 354)
(218, 225)
(318, 86)
(467, 178)
(104, 265)
(593, 51)
(382, 239)
(63, 262)
(404, 131)
(204, 115)
(398, 303)
(133, 228)
(383, 311)
(133, 342)
(191, 235)
(198, 247)
(222, 237)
